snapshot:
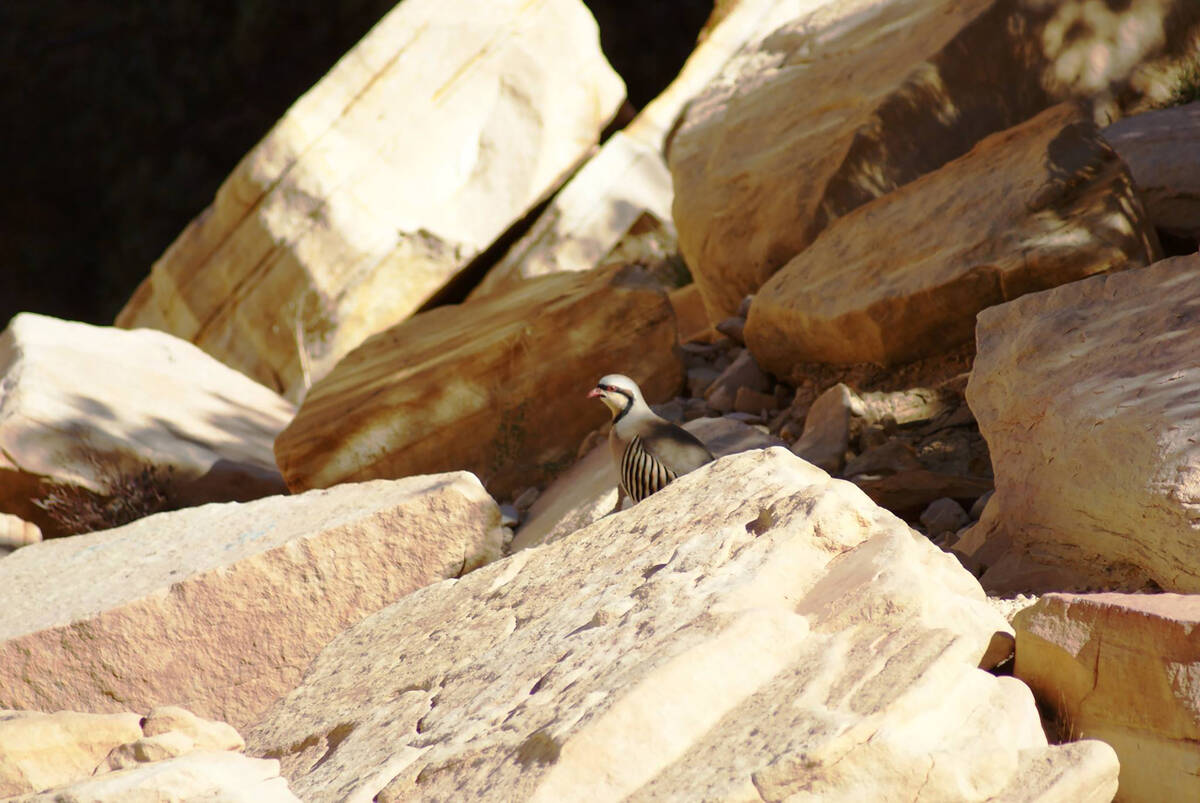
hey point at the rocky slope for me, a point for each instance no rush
(932, 339)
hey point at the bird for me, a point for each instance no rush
(648, 450)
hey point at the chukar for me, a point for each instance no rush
(649, 451)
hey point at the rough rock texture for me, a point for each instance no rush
(827, 429)
(902, 278)
(220, 608)
(198, 776)
(1162, 149)
(627, 181)
(755, 630)
(496, 386)
(426, 141)
(89, 409)
(39, 751)
(1086, 395)
(860, 97)
(1123, 668)
(588, 490)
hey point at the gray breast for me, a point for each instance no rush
(641, 472)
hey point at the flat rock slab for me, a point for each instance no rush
(755, 630)
(91, 408)
(1086, 395)
(902, 278)
(496, 386)
(220, 608)
(1162, 149)
(1124, 668)
(203, 775)
(446, 124)
(859, 97)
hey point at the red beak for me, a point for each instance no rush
(594, 392)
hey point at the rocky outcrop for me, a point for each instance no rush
(1121, 668)
(221, 607)
(426, 141)
(1162, 149)
(99, 426)
(860, 97)
(15, 533)
(496, 386)
(753, 630)
(626, 185)
(1085, 395)
(1038, 205)
(62, 751)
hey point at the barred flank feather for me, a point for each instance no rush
(641, 473)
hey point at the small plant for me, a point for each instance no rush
(128, 496)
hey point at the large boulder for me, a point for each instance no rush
(755, 630)
(1086, 396)
(496, 386)
(626, 185)
(1162, 149)
(99, 426)
(1038, 205)
(862, 96)
(220, 608)
(1124, 668)
(446, 124)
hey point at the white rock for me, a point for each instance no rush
(221, 607)
(754, 631)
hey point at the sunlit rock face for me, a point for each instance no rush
(860, 97)
(1087, 397)
(903, 276)
(443, 126)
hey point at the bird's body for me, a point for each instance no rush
(648, 450)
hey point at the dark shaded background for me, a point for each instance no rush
(120, 119)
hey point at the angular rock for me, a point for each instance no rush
(588, 490)
(890, 457)
(221, 607)
(39, 751)
(1085, 395)
(1162, 149)
(1122, 668)
(104, 425)
(743, 372)
(827, 429)
(202, 775)
(944, 516)
(749, 400)
(755, 630)
(909, 491)
(857, 98)
(627, 181)
(690, 317)
(147, 749)
(1038, 205)
(426, 141)
(15, 533)
(496, 386)
(205, 734)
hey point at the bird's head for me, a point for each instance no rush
(618, 392)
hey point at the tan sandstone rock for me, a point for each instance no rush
(199, 776)
(860, 97)
(15, 533)
(221, 607)
(588, 490)
(94, 416)
(1162, 149)
(427, 140)
(902, 277)
(754, 631)
(496, 386)
(1086, 396)
(1123, 668)
(627, 181)
(39, 751)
